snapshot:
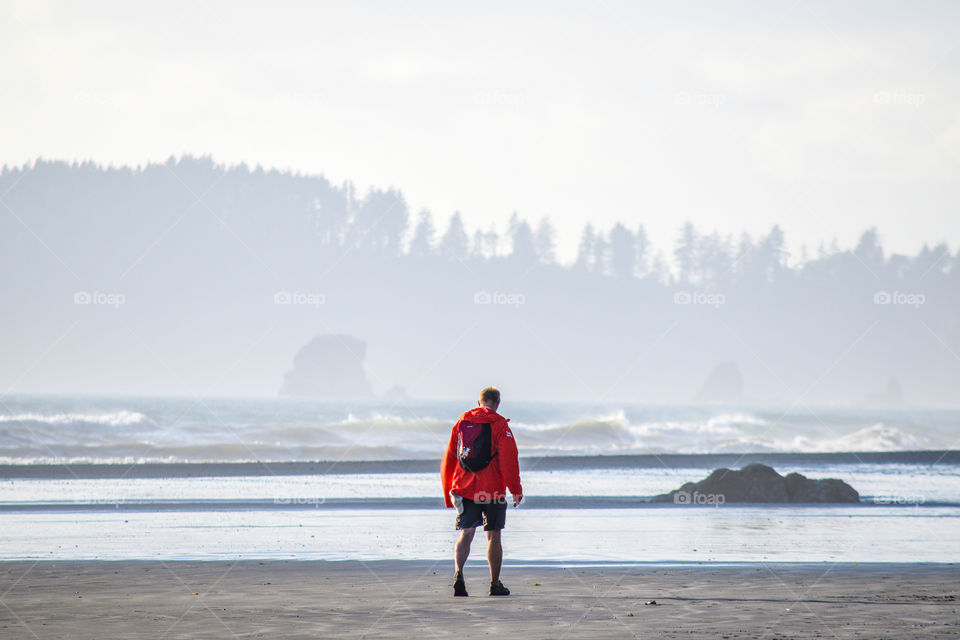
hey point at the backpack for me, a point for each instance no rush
(474, 445)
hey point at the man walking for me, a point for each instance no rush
(479, 465)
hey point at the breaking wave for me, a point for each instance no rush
(237, 434)
(110, 419)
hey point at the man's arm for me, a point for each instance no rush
(509, 463)
(448, 466)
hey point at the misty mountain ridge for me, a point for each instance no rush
(193, 277)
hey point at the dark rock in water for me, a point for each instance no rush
(329, 366)
(759, 483)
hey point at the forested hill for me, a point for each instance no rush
(201, 278)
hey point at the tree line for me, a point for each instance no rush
(313, 212)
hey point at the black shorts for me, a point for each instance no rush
(470, 514)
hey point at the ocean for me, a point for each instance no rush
(103, 477)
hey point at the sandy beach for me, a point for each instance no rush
(390, 599)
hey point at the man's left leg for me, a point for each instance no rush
(462, 551)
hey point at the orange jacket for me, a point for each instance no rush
(488, 483)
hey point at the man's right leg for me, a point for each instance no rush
(494, 555)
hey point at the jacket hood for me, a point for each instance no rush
(482, 414)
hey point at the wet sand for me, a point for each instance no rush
(710, 461)
(412, 600)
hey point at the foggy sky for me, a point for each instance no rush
(826, 118)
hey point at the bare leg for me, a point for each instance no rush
(463, 548)
(494, 555)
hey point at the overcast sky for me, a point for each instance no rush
(823, 117)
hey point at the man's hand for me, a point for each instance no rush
(516, 500)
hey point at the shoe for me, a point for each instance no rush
(459, 588)
(497, 589)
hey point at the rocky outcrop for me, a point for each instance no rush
(890, 396)
(759, 483)
(329, 366)
(723, 385)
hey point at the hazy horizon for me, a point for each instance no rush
(770, 188)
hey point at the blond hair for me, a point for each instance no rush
(490, 395)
